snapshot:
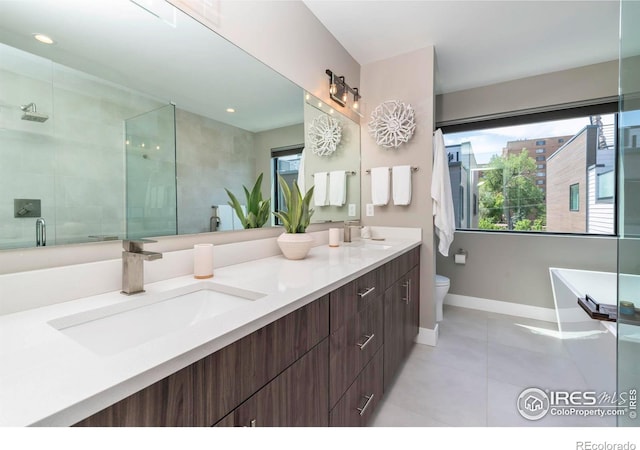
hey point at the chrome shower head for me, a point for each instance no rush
(31, 114)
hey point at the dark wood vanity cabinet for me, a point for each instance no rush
(401, 321)
(207, 390)
(327, 363)
(387, 321)
(298, 397)
(357, 328)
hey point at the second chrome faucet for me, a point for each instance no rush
(348, 225)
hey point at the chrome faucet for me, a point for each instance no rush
(132, 265)
(348, 225)
(41, 232)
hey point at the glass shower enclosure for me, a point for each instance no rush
(628, 331)
(150, 148)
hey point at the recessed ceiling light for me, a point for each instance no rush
(231, 110)
(43, 38)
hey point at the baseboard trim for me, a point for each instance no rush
(427, 336)
(500, 307)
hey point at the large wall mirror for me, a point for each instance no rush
(136, 118)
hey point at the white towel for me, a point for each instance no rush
(444, 219)
(301, 181)
(380, 186)
(320, 189)
(226, 214)
(337, 187)
(401, 183)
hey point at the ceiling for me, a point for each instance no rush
(477, 43)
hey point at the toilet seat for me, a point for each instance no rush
(442, 280)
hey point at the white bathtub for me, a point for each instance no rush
(569, 284)
(590, 343)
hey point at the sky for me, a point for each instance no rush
(489, 142)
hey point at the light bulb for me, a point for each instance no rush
(345, 97)
(333, 89)
(355, 103)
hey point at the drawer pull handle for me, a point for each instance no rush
(407, 286)
(366, 292)
(368, 338)
(366, 405)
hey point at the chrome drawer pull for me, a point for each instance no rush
(366, 292)
(366, 405)
(365, 343)
(407, 286)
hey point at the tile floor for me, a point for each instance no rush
(482, 362)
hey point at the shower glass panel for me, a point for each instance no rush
(150, 146)
(629, 214)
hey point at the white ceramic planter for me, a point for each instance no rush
(295, 245)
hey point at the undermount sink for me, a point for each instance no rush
(137, 320)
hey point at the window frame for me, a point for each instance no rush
(577, 199)
(605, 105)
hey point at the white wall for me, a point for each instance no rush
(407, 78)
(556, 88)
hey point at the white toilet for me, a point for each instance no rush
(442, 287)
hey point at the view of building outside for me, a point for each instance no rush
(556, 176)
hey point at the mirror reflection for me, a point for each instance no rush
(104, 136)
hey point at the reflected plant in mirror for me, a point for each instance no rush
(257, 209)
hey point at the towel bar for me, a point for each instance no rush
(413, 169)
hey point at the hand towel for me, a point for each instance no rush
(320, 189)
(380, 186)
(401, 183)
(444, 219)
(337, 187)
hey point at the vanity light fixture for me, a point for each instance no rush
(231, 110)
(43, 38)
(339, 92)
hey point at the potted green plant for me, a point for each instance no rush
(257, 208)
(294, 242)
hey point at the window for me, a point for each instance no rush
(574, 197)
(524, 190)
(605, 185)
(285, 162)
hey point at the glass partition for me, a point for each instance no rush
(150, 148)
(629, 213)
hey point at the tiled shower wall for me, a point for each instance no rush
(74, 161)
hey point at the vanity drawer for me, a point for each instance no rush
(357, 405)
(233, 374)
(353, 345)
(347, 300)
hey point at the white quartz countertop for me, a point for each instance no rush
(49, 379)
